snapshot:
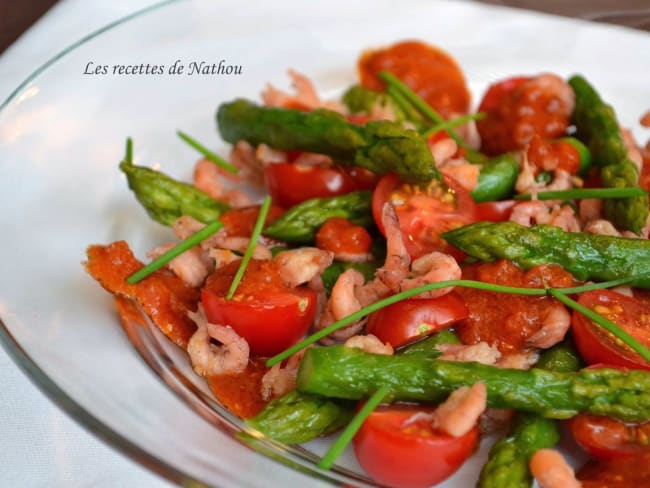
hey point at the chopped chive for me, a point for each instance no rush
(396, 298)
(450, 124)
(584, 193)
(420, 104)
(603, 322)
(257, 230)
(129, 150)
(408, 109)
(602, 285)
(207, 153)
(183, 246)
(435, 286)
(351, 429)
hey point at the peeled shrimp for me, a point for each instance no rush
(184, 226)
(300, 265)
(432, 268)
(443, 150)
(305, 96)
(531, 212)
(464, 173)
(251, 169)
(396, 266)
(590, 209)
(480, 352)
(208, 359)
(551, 470)
(370, 344)
(343, 300)
(555, 324)
(602, 227)
(538, 212)
(281, 379)
(192, 266)
(207, 178)
(460, 412)
(522, 360)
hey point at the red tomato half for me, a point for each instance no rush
(596, 345)
(494, 211)
(408, 320)
(424, 213)
(409, 456)
(270, 316)
(608, 438)
(289, 184)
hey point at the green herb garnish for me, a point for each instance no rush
(180, 248)
(219, 161)
(257, 231)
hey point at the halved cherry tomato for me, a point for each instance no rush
(596, 345)
(494, 211)
(427, 70)
(289, 184)
(409, 456)
(408, 320)
(424, 213)
(265, 312)
(608, 438)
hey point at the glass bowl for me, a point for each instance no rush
(62, 134)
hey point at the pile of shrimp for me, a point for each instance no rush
(217, 349)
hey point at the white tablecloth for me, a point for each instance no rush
(40, 446)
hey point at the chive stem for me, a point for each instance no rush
(602, 285)
(603, 322)
(453, 123)
(584, 193)
(394, 299)
(180, 248)
(479, 285)
(422, 106)
(129, 150)
(257, 230)
(207, 153)
(351, 429)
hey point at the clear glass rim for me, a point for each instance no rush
(30, 367)
(299, 459)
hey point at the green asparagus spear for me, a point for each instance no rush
(507, 465)
(342, 372)
(598, 128)
(301, 222)
(586, 256)
(166, 199)
(497, 179)
(562, 358)
(300, 417)
(379, 146)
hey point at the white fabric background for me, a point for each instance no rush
(40, 446)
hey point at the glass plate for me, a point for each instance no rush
(62, 134)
